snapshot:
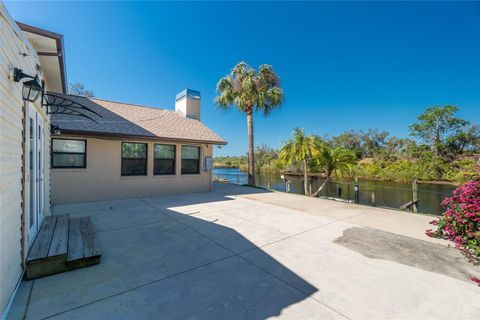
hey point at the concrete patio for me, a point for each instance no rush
(245, 253)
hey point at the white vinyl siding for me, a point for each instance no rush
(12, 42)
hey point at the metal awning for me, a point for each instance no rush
(58, 104)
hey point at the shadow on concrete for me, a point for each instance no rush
(162, 257)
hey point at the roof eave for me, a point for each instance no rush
(60, 48)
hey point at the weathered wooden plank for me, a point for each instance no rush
(45, 267)
(41, 245)
(84, 262)
(408, 205)
(75, 240)
(82, 248)
(59, 243)
(90, 246)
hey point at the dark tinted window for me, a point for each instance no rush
(190, 160)
(69, 153)
(164, 159)
(134, 159)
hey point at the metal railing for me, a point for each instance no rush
(413, 199)
(235, 178)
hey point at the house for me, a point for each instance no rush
(131, 151)
(58, 148)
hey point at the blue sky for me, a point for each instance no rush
(343, 65)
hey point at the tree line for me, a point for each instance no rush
(441, 146)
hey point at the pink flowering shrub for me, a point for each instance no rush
(461, 221)
(476, 280)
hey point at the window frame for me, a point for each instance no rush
(122, 158)
(199, 160)
(52, 153)
(174, 159)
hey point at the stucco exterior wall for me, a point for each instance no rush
(12, 153)
(102, 180)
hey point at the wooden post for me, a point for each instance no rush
(373, 198)
(414, 196)
(356, 189)
(310, 188)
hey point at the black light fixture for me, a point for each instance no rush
(55, 129)
(31, 89)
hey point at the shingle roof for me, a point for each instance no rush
(121, 119)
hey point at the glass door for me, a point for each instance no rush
(35, 172)
(41, 170)
(32, 219)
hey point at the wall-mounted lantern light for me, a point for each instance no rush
(55, 130)
(31, 89)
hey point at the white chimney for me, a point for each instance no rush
(187, 103)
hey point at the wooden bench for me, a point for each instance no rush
(62, 244)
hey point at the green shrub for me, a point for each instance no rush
(426, 168)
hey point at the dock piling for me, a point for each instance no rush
(414, 196)
(356, 189)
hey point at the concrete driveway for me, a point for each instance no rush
(244, 253)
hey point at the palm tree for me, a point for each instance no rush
(334, 160)
(301, 148)
(250, 90)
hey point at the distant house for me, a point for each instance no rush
(58, 148)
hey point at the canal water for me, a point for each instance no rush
(387, 194)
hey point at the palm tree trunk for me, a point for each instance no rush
(305, 176)
(251, 154)
(436, 142)
(322, 186)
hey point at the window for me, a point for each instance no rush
(190, 160)
(134, 159)
(164, 159)
(69, 153)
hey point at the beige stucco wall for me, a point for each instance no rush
(102, 179)
(13, 42)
